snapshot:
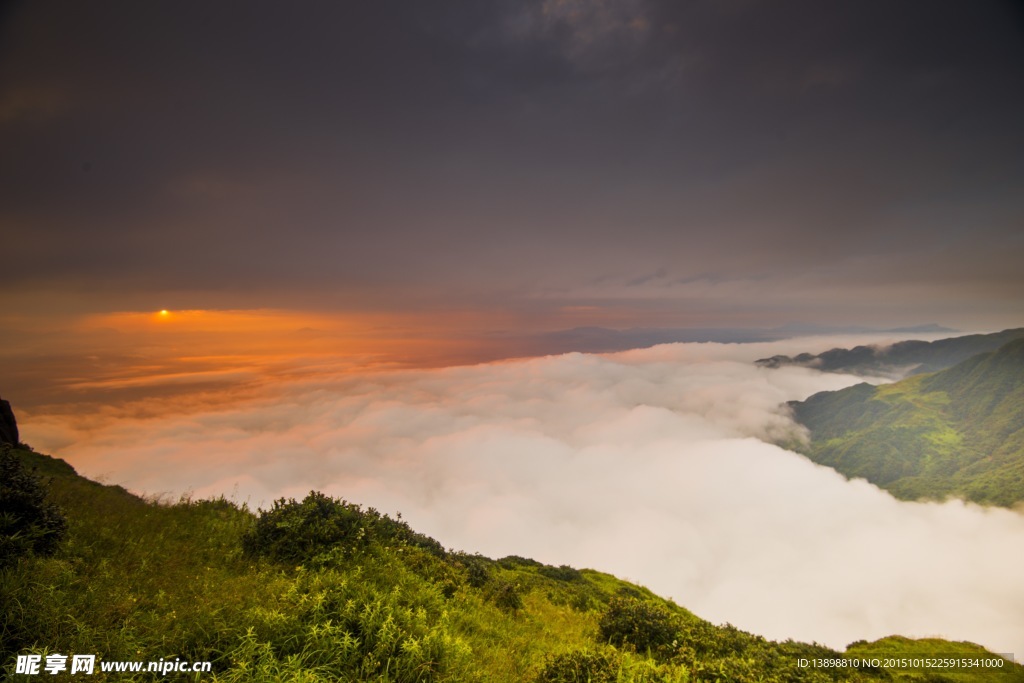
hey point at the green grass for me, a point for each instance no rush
(145, 580)
(895, 647)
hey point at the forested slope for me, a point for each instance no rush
(958, 432)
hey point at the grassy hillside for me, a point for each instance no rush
(323, 590)
(955, 432)
(902, 358)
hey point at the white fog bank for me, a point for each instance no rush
(647, 464)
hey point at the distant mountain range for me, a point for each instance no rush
(956, 432)
(604, 339)
(900, 359)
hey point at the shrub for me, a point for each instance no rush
(320, 525)
(581, 666)
(28, 524)
(477, 568)
(708, 640)
(505, 595)
(561, 573)
(515, 561)
(639, 624)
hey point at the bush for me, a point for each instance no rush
(581, 666)
(708, 640)
(505, 595)
(515, 561)
(561, 573)
(639, 624)
(320, 525)
(28, 524)
(477, 568)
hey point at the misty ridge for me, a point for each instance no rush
(895, 361)
(657, 464)
(955, 432)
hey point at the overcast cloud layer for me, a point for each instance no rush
(735, 162)
(649, 464)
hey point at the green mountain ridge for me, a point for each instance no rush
(901, 359)
(957, 432)
(323, 590)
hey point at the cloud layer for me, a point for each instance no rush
(648, 464)
(707, 163)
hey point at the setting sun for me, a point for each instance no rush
(164, 313)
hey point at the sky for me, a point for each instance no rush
(254, 247)
(534, 165)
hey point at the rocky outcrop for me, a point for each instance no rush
(8, 425)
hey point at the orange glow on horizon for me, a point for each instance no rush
(164, 348)
(159, 353)
(225, 353)
(352, 325)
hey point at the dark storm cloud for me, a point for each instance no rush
(404, 153)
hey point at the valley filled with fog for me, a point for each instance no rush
(656, 465)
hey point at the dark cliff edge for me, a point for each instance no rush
(8, 425)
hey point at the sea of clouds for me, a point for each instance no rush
(654, 465)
